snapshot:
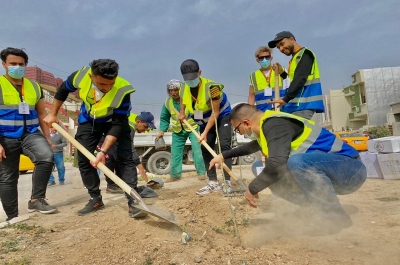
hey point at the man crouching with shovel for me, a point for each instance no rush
(306, 164)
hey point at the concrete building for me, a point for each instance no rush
(366, 102)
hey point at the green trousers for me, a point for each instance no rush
(178, 144)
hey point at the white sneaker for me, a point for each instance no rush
(212, 186)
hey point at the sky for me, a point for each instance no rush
(151, 38)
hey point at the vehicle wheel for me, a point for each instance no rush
(159, 163)
(250, 159)
(23, 171)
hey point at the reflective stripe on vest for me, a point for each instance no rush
(175, 122)
(310, 96)
(313, 138)
(111, 100)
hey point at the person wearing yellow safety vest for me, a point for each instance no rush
(22, 109)
(262, 81)
(104, 110)
(205, 100)
(304, 95)
(306, 164)
(180, 133)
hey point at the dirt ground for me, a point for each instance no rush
(269, 234)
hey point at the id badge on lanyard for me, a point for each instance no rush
(23, 108)
(198, 115)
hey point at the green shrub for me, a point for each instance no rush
(379, 131)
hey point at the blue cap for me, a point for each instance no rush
(148, 118)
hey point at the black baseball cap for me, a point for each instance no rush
(280, 36)
(189, 69)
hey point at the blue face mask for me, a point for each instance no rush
(16, 72)
(193, 83)
(265, 63)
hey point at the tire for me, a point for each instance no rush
(23, 171)
(159, 163)
(250, 159)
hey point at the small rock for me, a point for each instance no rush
(350, 246)
(372, 222)
(197, 259)
(20, 237)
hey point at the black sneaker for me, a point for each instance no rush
(41, 205)
(114, 189)
(51, 183)
(62, 183)
(136, 213)
(93, 205)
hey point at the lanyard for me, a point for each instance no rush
(267, 78)
(290, 62)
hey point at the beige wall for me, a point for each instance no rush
(339, 109)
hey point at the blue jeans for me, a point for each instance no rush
(315, 179)
(36, 147)
(59, 161)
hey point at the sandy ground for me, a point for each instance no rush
(269, 234)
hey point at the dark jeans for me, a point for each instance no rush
(34, 146)
(315, 179)
(225, 136)
(89, 136)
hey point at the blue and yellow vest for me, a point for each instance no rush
(175, 123)
(102, 110)
(203, 101)
(310, 96)
(259, 82)
(11, 122)
(313, 138)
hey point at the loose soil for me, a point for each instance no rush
(269, 234)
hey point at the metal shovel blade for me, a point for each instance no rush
(157, 212)
(152, 210)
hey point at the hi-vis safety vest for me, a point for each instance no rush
(310, 96)
(175, 122)
(313, 138)
(203, 101)
(104, 108)
(11, 122)
(259, 82)
(132, 120)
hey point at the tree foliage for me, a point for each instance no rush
(379, 131)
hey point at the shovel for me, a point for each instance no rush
(160, 213)
(212, 152)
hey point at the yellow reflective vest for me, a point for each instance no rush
(260, 82)
(104, 108)
(12, 123)
(175, 122)
(310, 96)
(313, 138)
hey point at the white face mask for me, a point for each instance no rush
(251, 136)
(99, 94)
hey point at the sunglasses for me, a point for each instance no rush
(264, 57)
(236, 129)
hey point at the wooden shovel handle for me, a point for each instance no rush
(204, 143)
